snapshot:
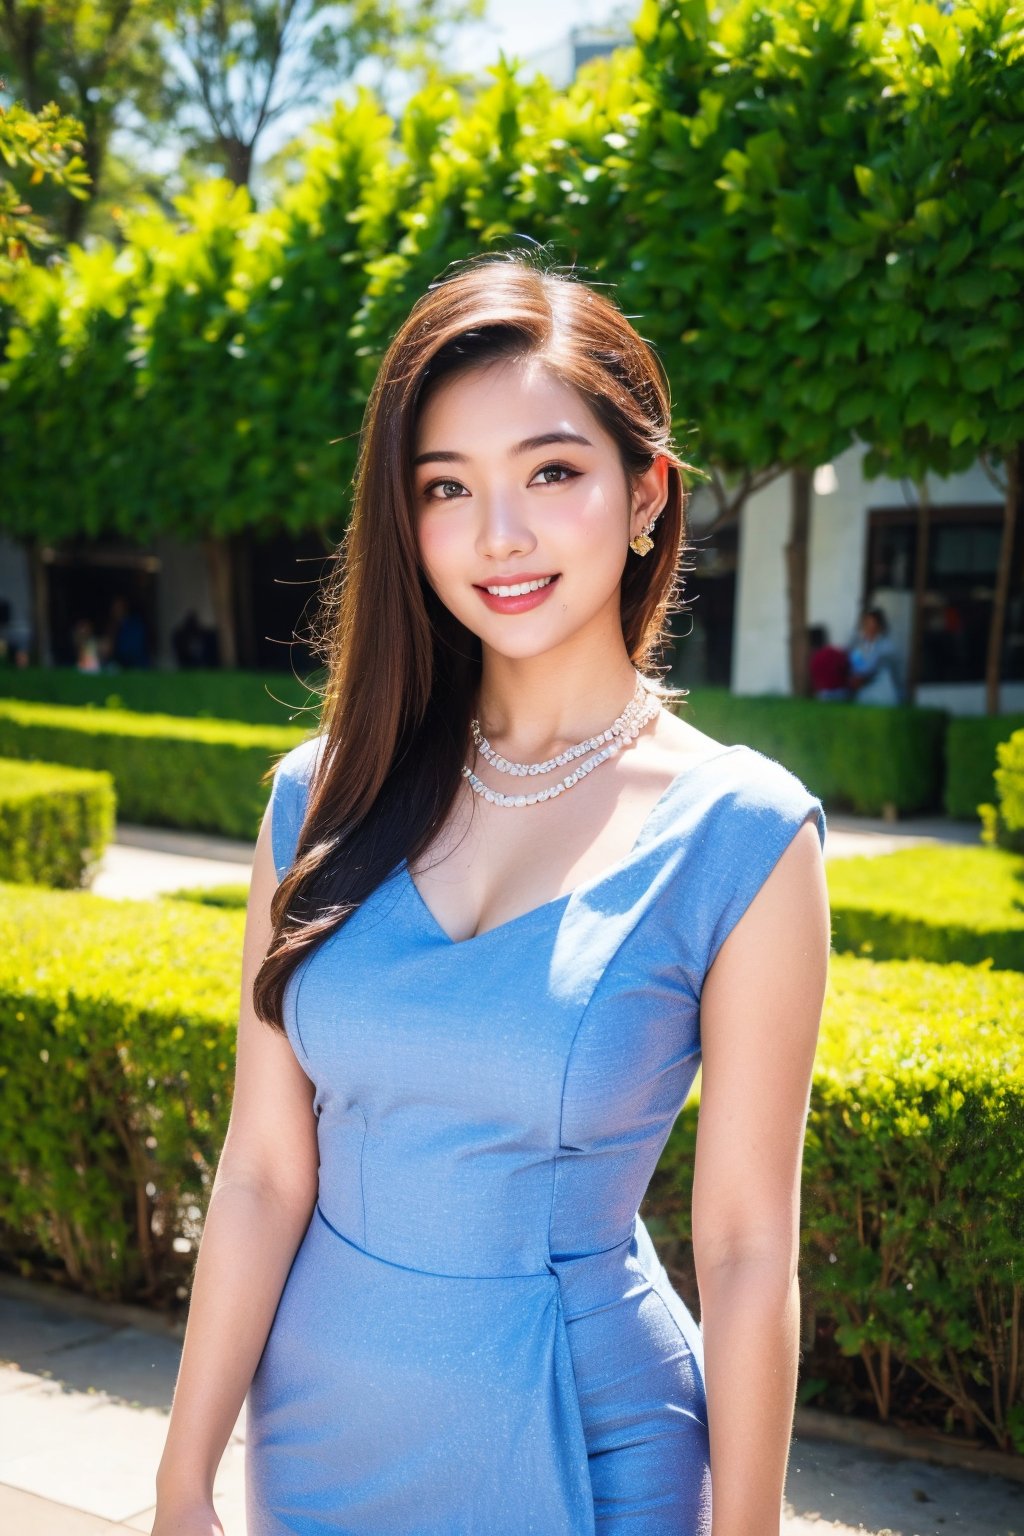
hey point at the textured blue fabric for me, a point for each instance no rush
(476, 1335)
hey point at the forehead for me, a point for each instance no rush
(502, 402)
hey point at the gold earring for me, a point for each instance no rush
(642, 544)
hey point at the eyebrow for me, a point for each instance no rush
(528, 444)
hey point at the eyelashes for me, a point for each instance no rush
(571, 474)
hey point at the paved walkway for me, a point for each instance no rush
(85, 1393)
(85, 1390)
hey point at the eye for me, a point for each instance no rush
(432, 486)
(560, 469)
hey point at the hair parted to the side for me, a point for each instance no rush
(402, 671)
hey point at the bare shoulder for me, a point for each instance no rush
(681, 742)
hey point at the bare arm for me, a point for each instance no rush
(760, 1011)
(262, 1199)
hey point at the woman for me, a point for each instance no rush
(520, 901)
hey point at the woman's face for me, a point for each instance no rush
(517, 482)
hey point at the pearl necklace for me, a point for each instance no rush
(642, 707)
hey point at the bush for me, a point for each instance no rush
(913, 1218)
(116, 1058)
(855, 757)
(971, 742)
(931, 903)
(54, 822)
(203, 693)
(169, 772)
(116, 1065)
(1003, 823)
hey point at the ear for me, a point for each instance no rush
(650, 493)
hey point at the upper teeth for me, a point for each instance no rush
(524, 586)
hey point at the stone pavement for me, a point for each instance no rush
(85, 1389)
(85, 1392)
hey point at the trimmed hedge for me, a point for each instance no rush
(169, 772)
(913, 1196)
(971, 742)
(939, 903)
(854, 756)
(203, 693)
(116, 1069)
(116, 1057)
(54, 822)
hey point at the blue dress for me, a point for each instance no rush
(476, 1334)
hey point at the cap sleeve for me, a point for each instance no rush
(765, 810)
(289, 793)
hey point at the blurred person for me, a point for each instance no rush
(828, 665)
(88, 656)
(874, 665)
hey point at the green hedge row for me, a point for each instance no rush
(257, 698)
(54, 822)
(116, 1054)
(932, 902)
(971, 742)
(205, 775)
(913, 1196)
(855, 757)
(116, 1067)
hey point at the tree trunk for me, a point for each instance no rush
(796, 581)
(222, 590)
(237, 160)
(920, 587)
(993, 660)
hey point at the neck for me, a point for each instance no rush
(530, 710)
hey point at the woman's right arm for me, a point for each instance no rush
(262, 1199)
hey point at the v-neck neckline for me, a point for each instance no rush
(646, 828)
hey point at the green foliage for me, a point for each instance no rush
(169, 772)
(1003, 823)
(913, 1184)
(54, 822)
(854, 757)
(971, 745)
(200, 693)
(813, 212)
(35, 147)
(937, 903)
(230, 896)
(117, 1039)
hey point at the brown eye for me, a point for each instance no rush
(558, 469)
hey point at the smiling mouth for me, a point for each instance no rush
(519, 589)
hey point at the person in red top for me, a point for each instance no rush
(829, 666)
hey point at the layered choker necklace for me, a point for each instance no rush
(642, 707)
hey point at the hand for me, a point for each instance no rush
(184, 1519)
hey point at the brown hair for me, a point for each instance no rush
(401, 669)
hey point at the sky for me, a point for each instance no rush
(527, 29)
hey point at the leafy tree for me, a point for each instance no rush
(91, 58)
(241, 66)
(949, 205)
(34, 146)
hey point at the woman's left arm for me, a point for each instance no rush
(760, 1010)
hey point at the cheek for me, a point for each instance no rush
(444, 551)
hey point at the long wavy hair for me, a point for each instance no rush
(401, 671)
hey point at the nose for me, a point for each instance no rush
(503, 529)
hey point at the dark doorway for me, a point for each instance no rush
(108, 592)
